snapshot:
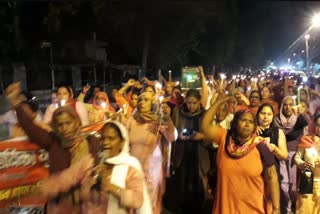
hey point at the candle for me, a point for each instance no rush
(62, 102)
(169, 75)
(222, 77)
(299, 94)
(104, 105)
(160, 99)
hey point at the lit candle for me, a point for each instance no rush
(160, 99)
(62, 102)
(222, 77)
(158, 86)
(169, 75)
(177, 83)
(104, 105)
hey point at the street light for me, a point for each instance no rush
(307, 52)
(315, 20)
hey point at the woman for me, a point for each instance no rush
(64, 97)
(273, 135)
(64, 144)
(245, 165)
(99, 107)
(292, 124)
(266, 95)
(148, 132)
(190, 157)
(276, 140)
(254, 99)
(306, 157)
(120, 186)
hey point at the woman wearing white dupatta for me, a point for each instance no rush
(118, 186)
(292, 121)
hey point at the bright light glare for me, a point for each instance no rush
(304, 79)
(307, 36)
(103, 105)
(62, 102)
(160, 99)
(316, 20)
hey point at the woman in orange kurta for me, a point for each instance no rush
(245, 165)
(266, 95)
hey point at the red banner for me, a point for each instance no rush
(22, 166)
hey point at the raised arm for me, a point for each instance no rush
(83, 93)
(212, 132)
(129, 84)
(205, 89)
(35, 133)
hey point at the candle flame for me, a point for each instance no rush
(62, 102)
(104, 105)
(160, 99)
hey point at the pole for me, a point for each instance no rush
(51, 65)
(307, 55)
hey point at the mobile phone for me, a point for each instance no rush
(186, 132)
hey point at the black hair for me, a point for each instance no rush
(316, 116)
(255, 91)
(234, 123)
(115, 127)
(149, 86)
(193, 93)
(261, 108)
(69, 89)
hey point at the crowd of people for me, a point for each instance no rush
(243, 144)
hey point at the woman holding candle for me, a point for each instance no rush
(190, 157)
(99, 107)
(306, 157)
(276, 140)
(64, 96)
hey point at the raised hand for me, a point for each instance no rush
(13, 94)
(86, 88)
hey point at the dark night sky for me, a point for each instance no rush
(281, 21)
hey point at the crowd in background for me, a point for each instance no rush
(246, 143)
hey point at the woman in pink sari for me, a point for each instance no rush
(148, 132)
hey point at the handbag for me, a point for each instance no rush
(306, 182)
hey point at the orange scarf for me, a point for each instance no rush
(236, 151)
